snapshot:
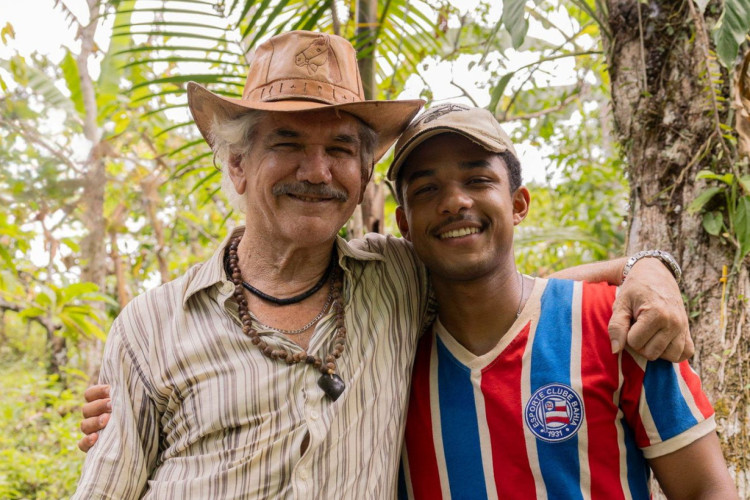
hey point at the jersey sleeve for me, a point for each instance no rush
(664, 404)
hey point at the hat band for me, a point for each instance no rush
(302, 88)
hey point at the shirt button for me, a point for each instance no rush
(303, 474)
(314, 415)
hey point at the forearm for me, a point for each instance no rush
(120, 465)
(609, 271)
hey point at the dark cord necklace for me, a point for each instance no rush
(329, 381)
(297, 298)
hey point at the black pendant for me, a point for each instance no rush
(332, 385)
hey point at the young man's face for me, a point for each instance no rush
(458, 208)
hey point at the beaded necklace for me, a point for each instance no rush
(329, 381)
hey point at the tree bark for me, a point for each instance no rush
(666, 115)
(93, 249)
(373, 205)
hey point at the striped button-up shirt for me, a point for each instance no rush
(200, 413)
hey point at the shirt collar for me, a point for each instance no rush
(212, 270)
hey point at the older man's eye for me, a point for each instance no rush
(341, 151)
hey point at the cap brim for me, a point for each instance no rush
(387, 118)
(427, 133)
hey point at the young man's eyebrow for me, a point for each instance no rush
(418, 174)
(465, 165)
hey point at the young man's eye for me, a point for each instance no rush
(423, 189)
(479, 180)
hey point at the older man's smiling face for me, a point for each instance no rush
(303, 176)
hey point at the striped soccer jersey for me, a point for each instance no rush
(549, 412)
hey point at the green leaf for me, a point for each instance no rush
(731, 30)
(707, 174)
(745, 183)
(72, 77)
(38, 81)
(6, 257)
(700, 201)
(497, 92)
(742, 224)
(514, 21)
(713, 222)
(7, 32)
(78, 289)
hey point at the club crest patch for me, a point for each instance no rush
(554, 413)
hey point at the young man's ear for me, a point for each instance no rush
(521, 200)
(403, 224)
(237, 173)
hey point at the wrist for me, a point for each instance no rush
(664, 257)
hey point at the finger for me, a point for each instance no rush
(619, 324)
(96, 408)
(674, 350)
(87, 442)
(656, 344)
(649, 335)
(95, 392)
(688, 349)
(94, 424)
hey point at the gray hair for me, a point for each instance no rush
(234, 137)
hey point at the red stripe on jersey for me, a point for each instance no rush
(694, 384)
(420, 447)
(600, 376)
(632, 387)
(501, 386)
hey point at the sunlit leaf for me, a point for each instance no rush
(731, 30)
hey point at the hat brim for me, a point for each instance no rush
(387, 118)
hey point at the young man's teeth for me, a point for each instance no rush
(457, 233)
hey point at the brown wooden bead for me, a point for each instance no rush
(330, 366)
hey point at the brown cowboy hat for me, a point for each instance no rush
(305, 71)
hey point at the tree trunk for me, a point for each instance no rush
(666, 116)
(373, 205)
(93, 251)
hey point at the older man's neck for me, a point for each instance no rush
(479, 313)
(283, 269)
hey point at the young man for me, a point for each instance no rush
(516, 392)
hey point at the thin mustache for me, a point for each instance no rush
(307, 189)
(455, 218)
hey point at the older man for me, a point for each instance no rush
(280, 366)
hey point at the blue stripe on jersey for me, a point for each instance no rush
(669, 410)
(550, 362)
(459, 427)
(638, 471)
